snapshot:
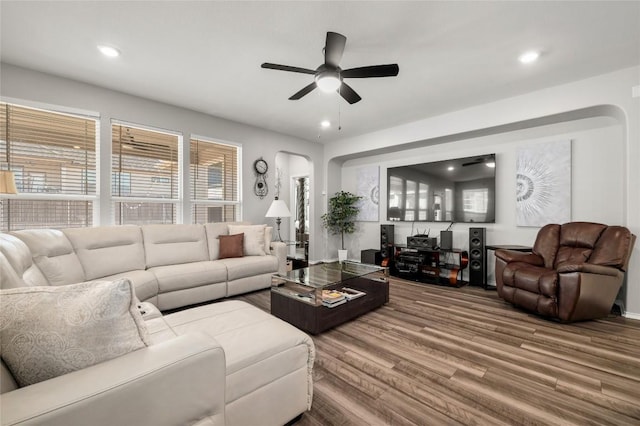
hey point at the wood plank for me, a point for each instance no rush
(437, 355)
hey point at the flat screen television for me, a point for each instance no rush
(457, 190)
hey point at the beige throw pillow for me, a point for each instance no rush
(50, 331)
(253, 238)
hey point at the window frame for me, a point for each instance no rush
(177, 201)
(92, 198)
(194, 202)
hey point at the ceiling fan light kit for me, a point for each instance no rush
(328, 77)
(328, 83)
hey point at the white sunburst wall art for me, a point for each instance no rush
(368, 187)
(543, 176)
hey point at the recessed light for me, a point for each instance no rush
(529, 57)
(325, 124)
(109, 51)
(450, 168)
(491, 164)
(76, 147)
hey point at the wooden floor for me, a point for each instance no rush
(436, 355)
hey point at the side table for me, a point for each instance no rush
(494, 247)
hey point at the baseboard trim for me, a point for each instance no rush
(631, 315)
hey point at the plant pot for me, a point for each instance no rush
(342, 255)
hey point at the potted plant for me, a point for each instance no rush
(341, 216)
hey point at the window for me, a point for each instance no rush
(214, 181)
(448, 202)
(423, 194)
(145, 175)
(475, 200)
(410, 201)
(53, 157)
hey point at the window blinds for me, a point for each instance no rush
(144, 180)
(53, 157)
(214, 181)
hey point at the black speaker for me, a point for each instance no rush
(477, 259)
(446, 240)
(371, 257)
(386, 241)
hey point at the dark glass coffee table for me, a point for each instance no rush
(319, 297)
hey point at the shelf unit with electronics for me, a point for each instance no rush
(431, 265)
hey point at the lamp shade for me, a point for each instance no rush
(278, 208)
(7, 182)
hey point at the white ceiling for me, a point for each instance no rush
(206, 56)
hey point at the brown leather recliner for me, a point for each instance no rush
(573, 273)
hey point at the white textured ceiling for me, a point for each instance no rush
(206, 56)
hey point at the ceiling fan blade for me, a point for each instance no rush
(287, 68)
(303, 91)
(389, 70)
(348, 93)
(334, 48)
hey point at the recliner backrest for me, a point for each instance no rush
(53, 253)
(547, 243)
(577, 242)
(584, 242)
(613, 248)
(16, 264)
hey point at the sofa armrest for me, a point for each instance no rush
(518, 256)
(177, 382)
(588, 268)
(280, 250)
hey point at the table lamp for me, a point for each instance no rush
(7, 182)
(278, 209)
(7, 186)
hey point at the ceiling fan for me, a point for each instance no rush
(329, 76)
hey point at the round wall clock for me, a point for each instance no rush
(260, 188)
(260, 166)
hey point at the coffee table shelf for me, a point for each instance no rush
(297, 296)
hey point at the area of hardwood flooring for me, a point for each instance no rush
(437, 355)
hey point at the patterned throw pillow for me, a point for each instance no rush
(253, 238)
(50, 331)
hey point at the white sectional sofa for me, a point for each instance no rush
(170, 266)
(224, 363)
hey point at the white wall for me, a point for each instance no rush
(32, 86)
(597, 186)
(606, 155)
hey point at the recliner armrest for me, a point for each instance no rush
(587, 268)
(518, 256)
(179, 381)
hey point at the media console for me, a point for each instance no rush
(430, 265)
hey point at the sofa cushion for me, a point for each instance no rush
(144, 282)
(107, 250)
(213, 231)
(50, 331)
(16, 265)
(8, 276)
(254, 241)
(189, 275)
(53, 253)
(231, 246)
(276, 349)
(249, 266)
(174, 244)
(268, 238)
